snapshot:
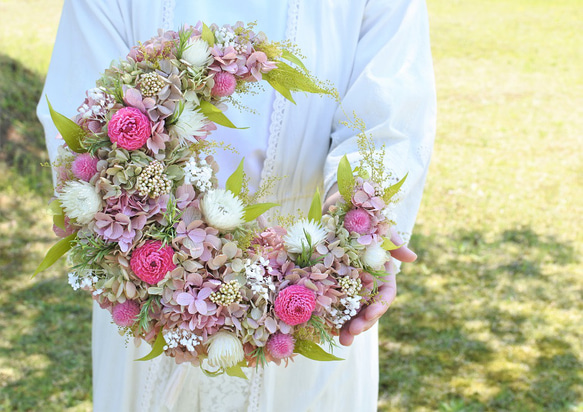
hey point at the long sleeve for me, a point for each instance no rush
(392, 89)
(90, 36)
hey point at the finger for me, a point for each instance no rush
(346, 338)
(384, 299)
(357, 325)
(404, 254)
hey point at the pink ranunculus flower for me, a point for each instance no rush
(295, 304)
(359, 221)
(129, 128)
(281, 346)
(225, 84)
(151, 261)
(84, 166)
(124, 314)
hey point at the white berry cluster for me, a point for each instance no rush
(151, 84)
(227, 294)
(199, 174)
(82, 281)
(153, 182)
(181, 337)
(348, 306)
(226, 38)
(256, 279)
(100, 103)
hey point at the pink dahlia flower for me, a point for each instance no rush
(225, 84)
(151, 261)
(129, 128)
(281, 346)
(124, 314)
(84, 166)
(295, 304)
(359, 221)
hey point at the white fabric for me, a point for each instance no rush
(376, 52)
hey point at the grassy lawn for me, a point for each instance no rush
(490, 318)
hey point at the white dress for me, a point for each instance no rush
(377, 54)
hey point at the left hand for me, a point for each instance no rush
(369, 315)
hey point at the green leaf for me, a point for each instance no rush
(292, 58)
(392, 190)
(315, 212)
(252, 212)
(345, 179)
(283, 90)
(207, 35)
(157, 348)
(389, 245)
(214, 114)
(56, 210)
(236, 371)
(71, 132)
(235, 182)
(312, 351)
(55, 252)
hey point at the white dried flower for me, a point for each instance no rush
(222, 209)
(80, 201)
(304, 234)
(189, 125)
(375, 257)
(225, 350)
(198, 173)
(197, 54)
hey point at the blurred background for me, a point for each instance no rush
(491, 315)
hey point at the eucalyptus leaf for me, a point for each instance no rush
(207, 35)
(214, 114)
(388, 244)
(312, 351)
(284, 91)
(55, 252)
(345, 179)
(392, 190)
(235, 182)
(252, 212)
(315, 212)
(292, 58)
(157, 348)
(236, 371)
(71, 132)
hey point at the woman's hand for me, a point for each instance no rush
(370, 314)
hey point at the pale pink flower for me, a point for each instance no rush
(357, 220)
(124, 314)
(281, 346)
(84, 166)
(225, 84)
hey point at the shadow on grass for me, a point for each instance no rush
(22, 143)
(460, 318)
(45, 345)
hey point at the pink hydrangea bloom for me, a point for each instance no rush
(124, 314)
(359, 221)
(129, 128)
(281, 346)
(150, 262)
(225, 84)
(84, 166)
(69, 229)
(295, 304)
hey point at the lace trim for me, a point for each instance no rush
(255, 390)
(168, 14)
(280, 104)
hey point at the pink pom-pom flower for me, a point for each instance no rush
(150, 262)
(129, 128)
(295, 304)
(225, 84)
(280, 345)
(124, 314)
(84, 166)
(359, 221)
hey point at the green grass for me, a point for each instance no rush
(490, 318)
